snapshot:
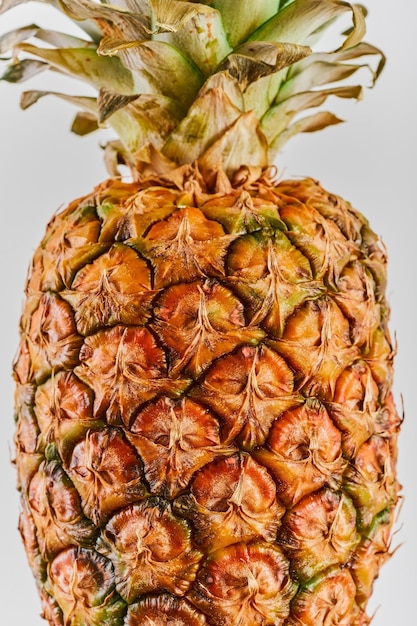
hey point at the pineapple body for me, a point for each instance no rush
(205, 425)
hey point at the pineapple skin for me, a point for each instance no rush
(206, 432)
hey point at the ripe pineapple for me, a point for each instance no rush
(205, 426)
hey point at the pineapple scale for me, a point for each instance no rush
(206, 433)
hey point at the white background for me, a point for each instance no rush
(371, 161)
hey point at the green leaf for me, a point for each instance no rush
(261, 75)
(321, 68)
(207, 119)
(361, 50)
(202, 40)
(243, 18)
(300, 19)
(283, 3)
(228, 85)
(317, 74)
(279, 117)
(353, 35)
(242, 144)
(317, 121)
(149, 119)
(308, 124)
(158, 59)
(21, 70)
(256, 59)
(87, 65)
(119, 23)
(146, 119)
(260, 96)
(157, 67)
(171, 15)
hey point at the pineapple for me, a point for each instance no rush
(205, 427)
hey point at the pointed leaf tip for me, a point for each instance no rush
(256, 59)
(172, 15)
(356, 34)
(9, 40)
(19, 71)
(84, 123)
(110, 102)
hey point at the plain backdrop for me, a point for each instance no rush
(370, 160)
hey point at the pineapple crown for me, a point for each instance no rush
(183, 82)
